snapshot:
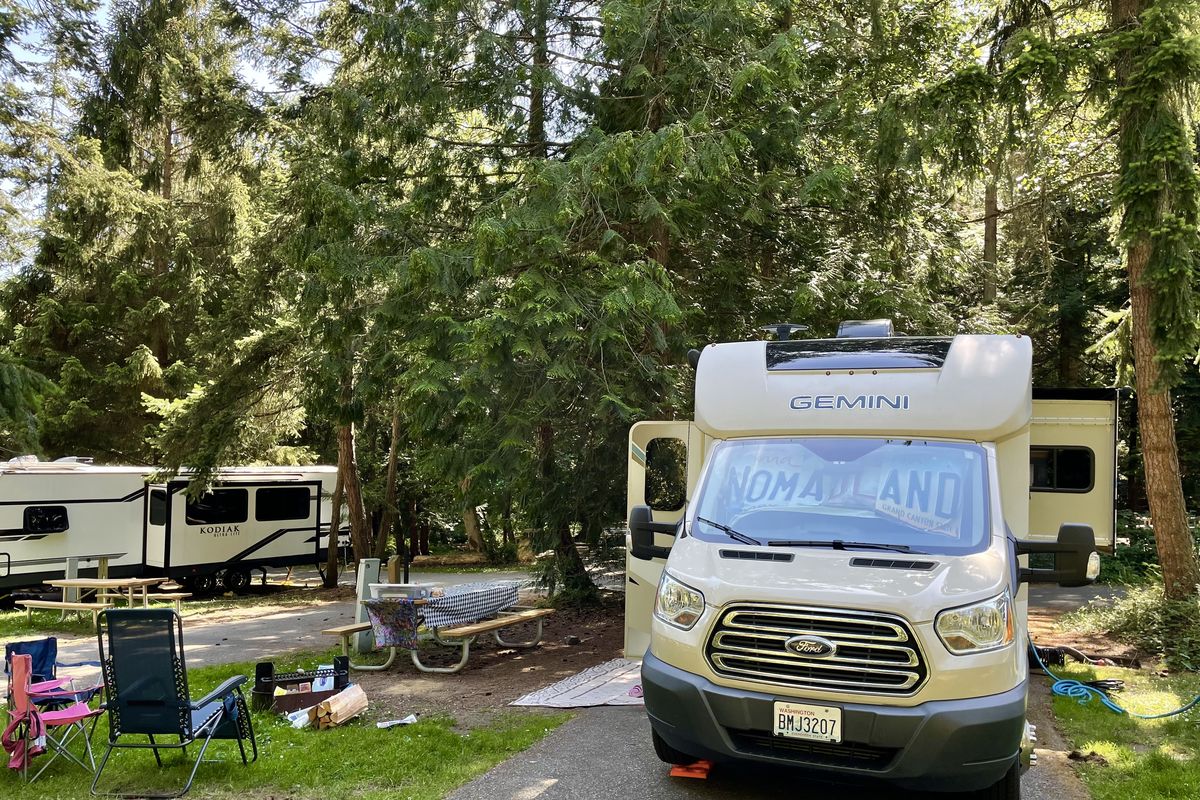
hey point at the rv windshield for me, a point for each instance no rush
(904, 494)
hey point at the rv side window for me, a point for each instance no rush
(1062, 469)
(666, 474)
(158, 507)
(46, 519)
(218, 507)
(283, 502)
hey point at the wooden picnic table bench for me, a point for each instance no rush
(461, 636)
(175, 597)
(59, 605)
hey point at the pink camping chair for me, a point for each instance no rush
(32, 731)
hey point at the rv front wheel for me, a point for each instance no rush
(667, 753)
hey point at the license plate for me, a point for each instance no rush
(807, 721)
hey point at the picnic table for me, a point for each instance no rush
(454, 619)
(107, 589)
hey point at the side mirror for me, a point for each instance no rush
(642, 528)
(1076, 562)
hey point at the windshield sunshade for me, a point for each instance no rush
(846, 493)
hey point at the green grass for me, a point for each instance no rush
(1146, 759)
(357, 760)
(14, 624)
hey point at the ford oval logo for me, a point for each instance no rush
(810, 646)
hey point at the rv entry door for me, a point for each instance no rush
(1073, 462)
(664, 462)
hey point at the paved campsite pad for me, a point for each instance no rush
(606, 752)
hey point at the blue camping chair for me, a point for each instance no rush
(44, 656)
(146, 686)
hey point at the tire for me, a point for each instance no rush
(669, 754)
(235, 580)
(1007, 788)
(203, 584)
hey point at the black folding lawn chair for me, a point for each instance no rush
(145, 681)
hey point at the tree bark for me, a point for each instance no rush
(470, 516)
(387, 525)
(1156, 420)
(537, 80)
(1160, 454)
(990, 240)
(360, 532)
(335, 529)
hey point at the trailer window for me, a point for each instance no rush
(218, 507)
(282, 502)
(1062, 469)
(46, 519)
(158, 507)
(666, 474)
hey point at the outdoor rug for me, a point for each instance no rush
(613, 683)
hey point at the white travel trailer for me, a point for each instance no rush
(839, 580)
(252, 518)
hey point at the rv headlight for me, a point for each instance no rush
(973, 629)
(677, 604)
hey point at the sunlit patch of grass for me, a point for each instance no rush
(1143, 759)
(357, 760)
(19, 625)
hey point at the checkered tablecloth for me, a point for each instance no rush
(470, 602)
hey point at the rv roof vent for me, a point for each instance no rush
(866, 329)
(74, 460)
(30, 459)
(783, 330)
(757, 555)
(892, 563)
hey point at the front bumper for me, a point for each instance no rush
(948, 745)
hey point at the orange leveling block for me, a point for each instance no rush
(699, 770)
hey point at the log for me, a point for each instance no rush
(343, 706)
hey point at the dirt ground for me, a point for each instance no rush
(1044, 629)
(495, 676)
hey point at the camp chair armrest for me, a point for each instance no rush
(65, 693)
(221, 692)
(47, 686)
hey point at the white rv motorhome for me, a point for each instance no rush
(252, 518)
(843, 586)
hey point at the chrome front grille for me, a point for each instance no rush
(875, 653)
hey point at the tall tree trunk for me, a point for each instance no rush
(470, 517)
(413, 523)
(1160, 454)
(1156, 421)
(335, 530)
(537, 79)
(360, 531)
(388, 524)
(506, 525)
(990, 240)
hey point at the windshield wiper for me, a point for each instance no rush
(839, 544)
(730, 532)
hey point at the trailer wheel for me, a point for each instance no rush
(201, 585)
(667, 753)
(235, 580)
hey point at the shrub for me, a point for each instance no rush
(1144, 618)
